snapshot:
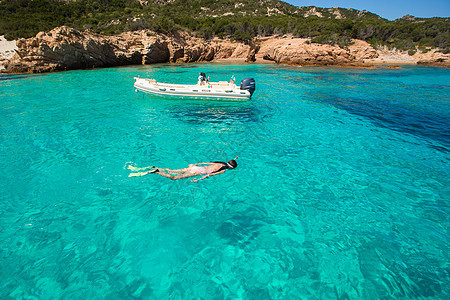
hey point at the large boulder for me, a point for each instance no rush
(302, 52)
(65, 48)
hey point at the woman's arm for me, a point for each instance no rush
(208, 175)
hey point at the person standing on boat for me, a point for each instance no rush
(207, 169)
(201, 78)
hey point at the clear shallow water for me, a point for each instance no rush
(342, 188)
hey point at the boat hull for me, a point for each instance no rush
(221, 90)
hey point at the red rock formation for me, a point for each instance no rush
(302, 52)
(65, 48)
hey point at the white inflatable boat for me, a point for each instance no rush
(203, 89)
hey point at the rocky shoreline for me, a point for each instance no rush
(65, 48)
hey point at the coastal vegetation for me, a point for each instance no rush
(239, 20)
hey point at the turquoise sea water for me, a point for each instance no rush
(342, 189)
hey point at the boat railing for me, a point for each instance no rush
(222, 84)
(179, 86)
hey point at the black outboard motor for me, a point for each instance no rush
(248, 84)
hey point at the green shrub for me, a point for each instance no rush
(25, 18)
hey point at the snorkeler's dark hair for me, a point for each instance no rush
(232, 164)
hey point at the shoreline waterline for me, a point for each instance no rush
(393, 65)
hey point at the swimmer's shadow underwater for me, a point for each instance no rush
(206, 169)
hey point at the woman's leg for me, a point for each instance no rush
(175, 174)
(168, 173)
(141, 173)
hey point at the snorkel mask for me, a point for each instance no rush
(232, 163)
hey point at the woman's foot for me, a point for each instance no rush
(153, 170)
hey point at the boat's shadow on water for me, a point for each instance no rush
(205, 111)
(215, 115)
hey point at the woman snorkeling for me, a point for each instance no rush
(207, 169)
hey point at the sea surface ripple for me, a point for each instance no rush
(341, 192)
